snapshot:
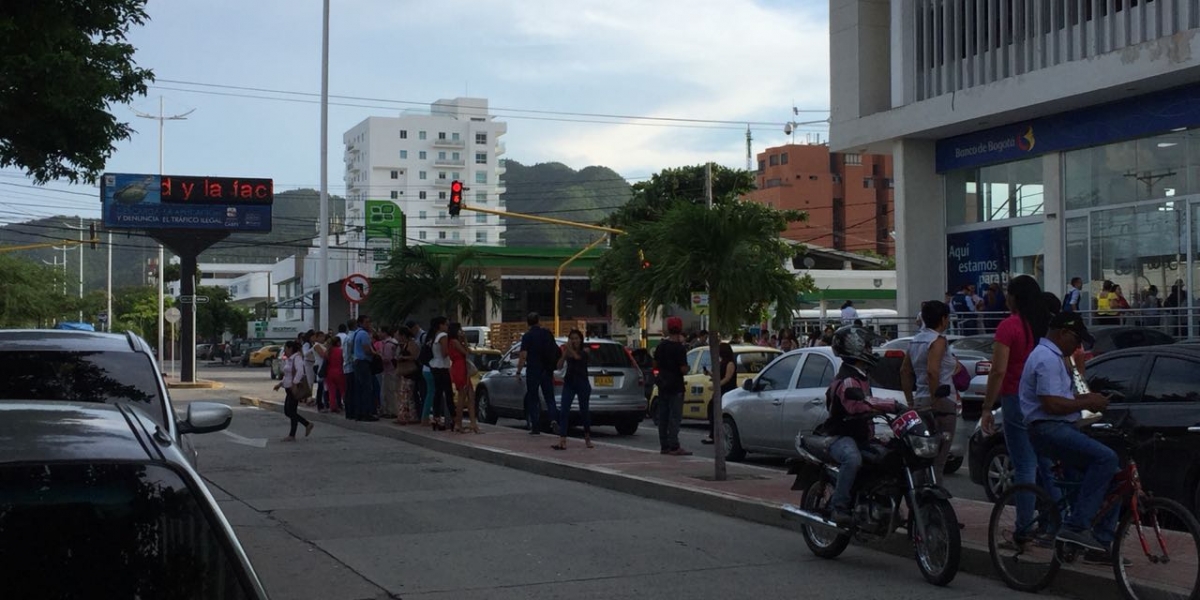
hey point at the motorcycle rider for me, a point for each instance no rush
(850, 405)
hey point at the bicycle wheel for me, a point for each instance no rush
(1023, 553)
(1157, 554)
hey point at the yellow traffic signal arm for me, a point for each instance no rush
(94, 240)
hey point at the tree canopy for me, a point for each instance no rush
(63, 64)
(415, 281)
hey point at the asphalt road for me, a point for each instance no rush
(350, 515)
(255, 381)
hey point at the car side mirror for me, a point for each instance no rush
(492, 365)
(748, 385)
(206, 417)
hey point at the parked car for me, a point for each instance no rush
(1109, 338)
(485, 359)
(976, 356)
(275, 368)
(617, 388)
(246, 353)
(204, 351)
(1160, 392)
(698, 389)
(263, 355)
(93, 502)
(88, 367)
(788, 397)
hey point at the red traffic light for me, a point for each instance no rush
(456, 190)
(645, 264)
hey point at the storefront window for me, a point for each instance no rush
(1124, 172)
(994, 192)
(1028, 251)
(1137, 248)
(1077, 257)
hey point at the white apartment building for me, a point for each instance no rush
(1056, 138)
(409, 162)
(248, 283)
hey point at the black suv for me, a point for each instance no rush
(89, 367)
(1160, 386)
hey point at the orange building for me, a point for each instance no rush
(848, 197)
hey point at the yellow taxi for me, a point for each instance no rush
(263, 355)
(697, 383)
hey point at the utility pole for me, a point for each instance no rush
(749, 157)
(323, 220)
(159, 271)
(108, 288)
(81, 269)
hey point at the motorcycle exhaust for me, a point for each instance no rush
(791, 511)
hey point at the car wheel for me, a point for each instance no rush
(998, 473)
(953, 464)
(628, 427)
(483, 407)
(733, 443)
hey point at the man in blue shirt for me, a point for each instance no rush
(539, 354)
(1051, 408)
(362, 348)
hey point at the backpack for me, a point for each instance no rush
(959, 302)
(1069, 300)
(426, 353)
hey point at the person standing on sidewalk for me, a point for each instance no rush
(390, 387)
(927, 366)
(335, 376)
(423, 380)
(439, 365)
(670, 358)
(320, 352)
(362, 392)
(728, 373)
(575, 383)
(459, 353)
(539, 353)
(294, 385)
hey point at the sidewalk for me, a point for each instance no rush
(750, 493)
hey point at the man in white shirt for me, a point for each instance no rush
(849, 313)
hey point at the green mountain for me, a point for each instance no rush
(293, 228)
(558, 191)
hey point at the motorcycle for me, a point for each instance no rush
(895, 472)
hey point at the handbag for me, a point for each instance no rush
(962, 379)
(406, 368)
(301, 390)
(472, 370)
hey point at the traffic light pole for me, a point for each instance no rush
(558, 277)
(643, 317)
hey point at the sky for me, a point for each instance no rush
(740, 61)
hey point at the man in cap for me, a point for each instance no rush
(1051, 407)
(670, 358)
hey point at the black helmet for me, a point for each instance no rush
(854, 343)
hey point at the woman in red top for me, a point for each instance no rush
(335, 377)
(459, 354)
(1015, 338)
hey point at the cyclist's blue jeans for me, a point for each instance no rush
(1027, 467)
(1063, 441)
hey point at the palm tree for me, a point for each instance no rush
(731, 251)
(415, 278)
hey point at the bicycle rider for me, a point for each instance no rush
(1051, 407)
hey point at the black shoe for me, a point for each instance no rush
(1102, 558)
(841, 517)
(369, 418)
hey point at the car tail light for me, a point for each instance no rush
(893, 354)
(983, 367)
(1088, 356)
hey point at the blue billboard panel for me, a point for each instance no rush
(139, 201)
(978, 257)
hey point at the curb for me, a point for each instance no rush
(199, 384)
(975, 558)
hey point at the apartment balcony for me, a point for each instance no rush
(500, 148)
(447, 242)
(449, 143)
(449, 221)
(442, 183)
(449, 162)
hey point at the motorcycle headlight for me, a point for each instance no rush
(925, 447)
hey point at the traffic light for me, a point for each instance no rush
(456, 190)
(645, 264)
(92, 235)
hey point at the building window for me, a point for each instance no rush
(480, 176)
(421, 135)
(454, 136)
(441, 235)
(395, 195)
(395, 174)
(441, 156)
(421, 215)
(481, 197)
(442, 175)
(783, 158)
(421, 175)
(481, 218)
(421, 195)
(421, 236)
(774, 182)
(481, 158)
(481, 138)
(454, 235)
(403, 134)
(480, 237)
(441, 195)
(866, 182)
(441, 214)
(421, 155)
(853, 159)
(404, 154)
(762, 166)
(441, 135)
(837, 178)
(456, 157)
(774, 160)
(455, 176)
(891, 183)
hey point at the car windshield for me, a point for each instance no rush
(104, 377)
(131, 530)
(607, 355)
(753, 362)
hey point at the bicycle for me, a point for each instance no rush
(1151, 555)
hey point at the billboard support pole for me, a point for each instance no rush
(188, 244)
